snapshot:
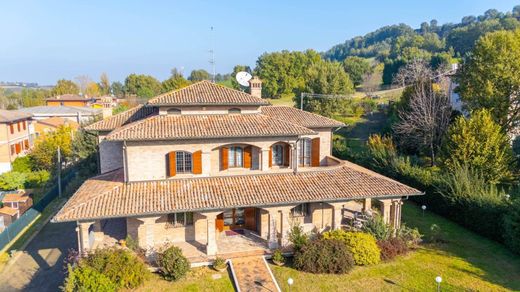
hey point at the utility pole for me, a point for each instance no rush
(59, 172)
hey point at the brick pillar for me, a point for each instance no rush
(286, 227)
(211, 243)
(265, 160)
(146, 232)
(367, 204)
(272, 240)
(385, 210)
(84, 236)
(396, 214)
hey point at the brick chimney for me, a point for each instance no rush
(255, 85)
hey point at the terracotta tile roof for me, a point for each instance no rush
(15, 197)
(11, 116)
(134, 114)
(58, 121)
(206, 93)
(106, 196)
(8, 211)
(299, 117)
(178, 127)
(69, 97)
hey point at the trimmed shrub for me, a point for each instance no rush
(121, 266)
(173, 263)
(85, 278)
(512, 227)
(278, 257)
(391, 248)
(219, 263)
(330, 256)
(297, 237)
(378, 228)
(363, 246)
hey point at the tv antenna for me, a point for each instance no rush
(212, 54)
(243, 78)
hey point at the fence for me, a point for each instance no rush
(18, 225)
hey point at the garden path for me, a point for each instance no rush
(253, 274)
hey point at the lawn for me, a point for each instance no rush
(466, 262)
(198, 279)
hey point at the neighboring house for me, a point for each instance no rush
(51, 124)
(69, 100)
(7, 216)
(16, 136)
(73, 113)
(199, 165)
(19, 201)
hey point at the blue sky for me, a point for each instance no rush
(42, 41)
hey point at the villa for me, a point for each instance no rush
(205, 165)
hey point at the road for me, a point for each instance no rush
(41, 266)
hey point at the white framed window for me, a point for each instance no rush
(183, 162)
(278, 154)
(301, 210)
(304, 155)
(173, 111)
(236, 156)
(234, 111)
(179, 219)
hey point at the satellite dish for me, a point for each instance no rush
(243, 78)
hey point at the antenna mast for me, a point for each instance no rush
(212, 60)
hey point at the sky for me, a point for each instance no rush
(43, 41)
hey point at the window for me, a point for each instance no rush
(25, 125)
(236, 156)
(179, 220)
(11, 128)
(26, 144)
(173, 111)
(18, 125)
(277, 154)
(234, 217)
(301, 210)
(304, 146)
(183, 161)
(13, 150)
(234, 111)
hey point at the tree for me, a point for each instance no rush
(45, 149)
(327, 78)
(425, 115)
(481, 144)
(84, 150)
(174, 83)
(92, 89)
(490, 77)
(83, 82)
(117, 89)
(357, 68)
(104, 84)
(142, 85)
(199, 75)
(12, 180)
(64, 86)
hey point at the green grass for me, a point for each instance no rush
(198, 279)
(284, 100)
(466, 262)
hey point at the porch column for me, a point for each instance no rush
(146, 232)
(367, 205)
(98, 231)
(385, 210)
(265, 159)
(211, 244)
(337, 214)
(285, 226)
(396, 214)
(272, 240)
(84, 242)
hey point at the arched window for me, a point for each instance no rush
(304, 152)
(234, 111)
(236, 156)
(278, 154)
(173, 111)
(183, 162)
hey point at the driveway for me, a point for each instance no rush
(40, 267)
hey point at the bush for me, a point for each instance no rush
(12, 180)
(378, 228)
(278, 257)
(173, 264)
(22, 164)
(411, 236)
(319, 256)
(85, 278)
(391, 248)
(297, 237)
(37, 179)
(121, 266)
(512, 227)
(219, 263)
(363, 246)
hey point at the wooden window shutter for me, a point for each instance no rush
(271, 156)
(224, 153)
(248, 156)
(25, 125)
(11, 127)
(172, 166)
(286, 155)
(315, 152)
(197, 162)
(18, 126)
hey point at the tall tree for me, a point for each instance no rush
(357, 68)
(83, 81)
(490, 77)
(199, 75)
(104, 84)
(64, 86)
(480, 144)
(92, 90)
(45, 149)
(117, 89)
(425, 117)
(142, 85)
(174, 83)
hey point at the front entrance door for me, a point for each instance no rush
(239, 218)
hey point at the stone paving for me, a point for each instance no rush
(252, 274)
